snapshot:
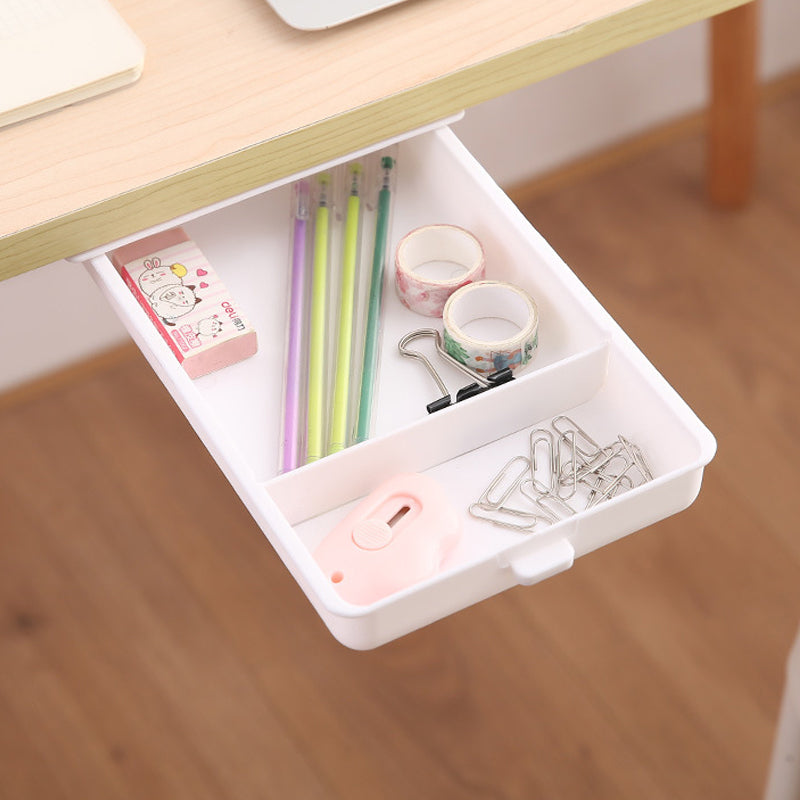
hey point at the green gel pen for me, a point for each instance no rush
(369, 372)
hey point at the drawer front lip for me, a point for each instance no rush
(273, 502)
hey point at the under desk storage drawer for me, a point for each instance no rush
(586, 376)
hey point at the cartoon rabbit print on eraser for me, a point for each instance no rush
(187, 302)
(163, 285)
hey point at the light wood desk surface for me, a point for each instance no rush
(232, 98)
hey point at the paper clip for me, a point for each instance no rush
(567, 469)
(597, 463)
(554, 505)
(583, 443)
(551, 505)
(495, 516)
(635, 452)
(562, 469)
(609, 480)
(486, 499)
(480, 383)
(543, 465)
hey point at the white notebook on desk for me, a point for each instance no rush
(56, 52)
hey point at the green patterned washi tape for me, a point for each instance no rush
(488, 304)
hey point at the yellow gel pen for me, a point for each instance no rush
(315, 425)
(344, 344)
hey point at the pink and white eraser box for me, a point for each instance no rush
(186, 301)
(400, 534)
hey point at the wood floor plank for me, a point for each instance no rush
(117, 611)
(22, 762)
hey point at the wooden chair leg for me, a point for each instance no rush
(734, 101)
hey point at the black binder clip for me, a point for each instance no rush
(479, 383)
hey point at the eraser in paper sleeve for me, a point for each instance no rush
(186, 301)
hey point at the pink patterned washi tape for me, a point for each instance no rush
(434, 261)
(491, 325)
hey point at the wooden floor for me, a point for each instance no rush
(153, 646)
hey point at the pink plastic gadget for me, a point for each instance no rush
(397, 536)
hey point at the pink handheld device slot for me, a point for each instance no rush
(397, 536)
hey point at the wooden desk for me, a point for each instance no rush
(232, 98)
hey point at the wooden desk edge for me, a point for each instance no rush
(153, 203)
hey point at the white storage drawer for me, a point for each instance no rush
(585, 366)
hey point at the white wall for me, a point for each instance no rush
(49, 318)
(55, 315)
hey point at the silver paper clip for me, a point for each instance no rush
(558, 465)
(544, 461)
(497, 517)
(584, 444)
(507, 479)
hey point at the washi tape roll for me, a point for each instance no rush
(491, 325)
(434, 261)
